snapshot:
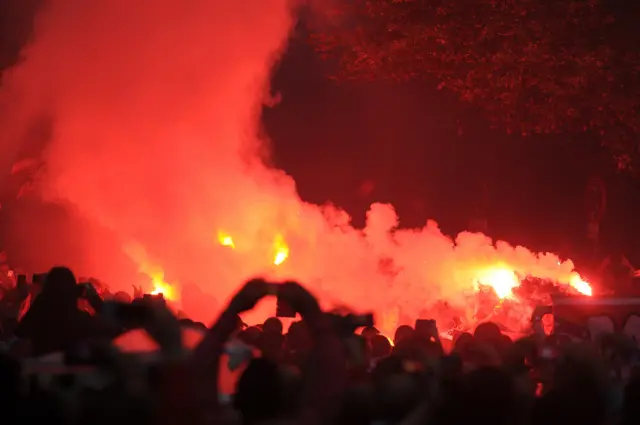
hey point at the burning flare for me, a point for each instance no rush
(580, 285)
(161, 287)
(281, 250)
(139, 255)
(501, 279)
(226, 240)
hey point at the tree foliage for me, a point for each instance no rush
(532, 66)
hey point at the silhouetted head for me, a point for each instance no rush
(272, 325)
(60, 280)
(60, 288)
(122, 297)
(403, 332)
(251, 336)
(462, 341)
(369, 332)
(488, 332)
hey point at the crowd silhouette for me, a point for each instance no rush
(60, 363)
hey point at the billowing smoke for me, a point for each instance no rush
(156, 106)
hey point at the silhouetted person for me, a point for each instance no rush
(259, 393)
(616, 272)
(54, 322)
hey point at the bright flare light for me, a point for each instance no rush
(502, 280)
(281, 250)
(581, 285)
(226, 240)
(161, 287)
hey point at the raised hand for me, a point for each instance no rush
(301, 300)
(249, 295)
(90, 291)
(163, 326)
(137, 292)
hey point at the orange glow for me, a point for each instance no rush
(501, 279)
(281, 250)
(155, 273)
(388, 320)
(226, 240)
(161, 287)
(581, 285)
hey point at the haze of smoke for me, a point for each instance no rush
(156, 110)
(155, 104)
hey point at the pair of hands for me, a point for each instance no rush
(296, 296)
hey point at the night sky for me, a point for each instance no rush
(431, 155)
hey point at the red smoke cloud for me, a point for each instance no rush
(156, 108)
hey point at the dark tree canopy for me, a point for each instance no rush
(532, 66)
